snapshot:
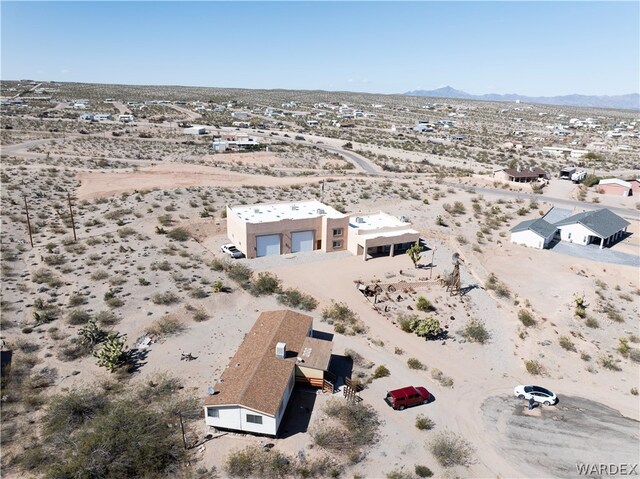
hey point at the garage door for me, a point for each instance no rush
(267, 245)
(302, 241)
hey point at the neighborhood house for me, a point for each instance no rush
(521, 175)
(276, 354)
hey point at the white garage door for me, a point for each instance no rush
(267, 245)
(302, 241)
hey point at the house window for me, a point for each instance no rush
(337, 231)
(252, 418)
(337, 244)
(213, 412)
(569, 237)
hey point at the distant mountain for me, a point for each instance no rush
(627, 102)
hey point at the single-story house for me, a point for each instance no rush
(614, 186)
(253, 391)
(635, 186)
(536, 233)
(591, 226)
(282, 228)
(521, 175)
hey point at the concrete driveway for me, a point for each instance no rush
(594, 253)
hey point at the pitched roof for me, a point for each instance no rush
(539, 226)
(603, 223)
(615, 181)
(556, 214)
(525, 172)
(255, 378)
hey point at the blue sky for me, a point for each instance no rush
(531, 48)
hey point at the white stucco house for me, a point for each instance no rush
(536, 233)
(277, 353)
(601, 226)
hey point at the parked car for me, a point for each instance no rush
(406, 397)
(539, 394)
(231, 250)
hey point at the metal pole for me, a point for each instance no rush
(433, 252)
(73, 224)
(184, 436)
(28, 221)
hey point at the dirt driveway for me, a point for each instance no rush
(550, 441)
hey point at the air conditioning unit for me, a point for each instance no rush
(321, 211)
(359, 219)
(281, 350)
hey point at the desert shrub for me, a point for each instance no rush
(73, 350)
(78, 316)
(42, 275)
(239, 273)
(534, 367)
(592, 322)
(381, 372)
(405, 321)
(132, 437)
(634, 391)
(566, 343)
(295, 298)
(398, 350)
(415, 363)
(266, 283)
(198, 293)
(424, 423)
(55, 259)
(199, 315)
(26, 346)
(167, 297)
(126, 232)
(343, 318)
(634, 355)
(526, 318)
(614, 315)
(493, 283)
(254, 461)
(428, 328)
(423, 471)
(165, 326)
(423, 304)
(165, 220)
(399, 474)
(77, 300)
(179, 234)
(218, 264)
(609, 363)
(623, 347)
(354, 428)
(451, 449)
(107, 318)
(443, 379)
(476, 331)
(99, 275)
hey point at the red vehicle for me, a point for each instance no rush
(405, 397)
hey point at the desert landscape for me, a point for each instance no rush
(120, 311)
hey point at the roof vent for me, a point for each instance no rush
(321, 211)
(295, 207)
(359, 219)
(281, 350)
(256, 210)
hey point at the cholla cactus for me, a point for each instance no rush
(91, 334)
(113, 354)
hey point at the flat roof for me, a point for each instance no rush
(315, 353)
(266, 213)
(375, 221)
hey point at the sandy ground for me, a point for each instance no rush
(100, 184)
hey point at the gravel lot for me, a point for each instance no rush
(594, 253)
(550, 441)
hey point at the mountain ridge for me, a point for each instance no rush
(629, 101)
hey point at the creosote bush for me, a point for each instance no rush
(295, 298)
(534, 367)
(424, 423)
(165, 326)
(381, 372)
(266, 283)
(526, 318)
(451, 449)
(476, 331)
(415, 363)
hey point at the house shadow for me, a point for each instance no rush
(297, 416)
(322, 335)
(341, 367)
(623, 236)
(5, 365)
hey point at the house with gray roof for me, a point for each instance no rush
(600, 226)
(537, 233)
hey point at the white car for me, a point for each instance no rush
(539, 394)
(231, 250)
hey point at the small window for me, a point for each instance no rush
(569, 237)
(252, 418)
(212, 412)
(337, 231)
(337, 244)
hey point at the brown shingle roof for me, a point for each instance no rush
(315, 353)
(255, 378)
(526, 172)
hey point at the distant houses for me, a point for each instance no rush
(615, 186)
(601, 227)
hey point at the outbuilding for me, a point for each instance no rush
(614, 186)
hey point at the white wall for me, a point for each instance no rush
(235, 417)
(528, 238)
(575, 233)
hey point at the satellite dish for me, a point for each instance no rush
(211, 391)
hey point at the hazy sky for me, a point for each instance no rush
(531, 48)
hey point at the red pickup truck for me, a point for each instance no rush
(405, 397)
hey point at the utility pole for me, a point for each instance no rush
(433, 252)
(73, 224)
(28, 221)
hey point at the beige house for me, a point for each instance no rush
(282, 228)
